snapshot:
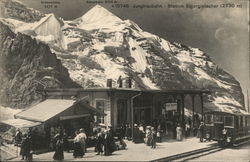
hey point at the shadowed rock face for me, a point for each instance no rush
(23, 61)
(18, 11)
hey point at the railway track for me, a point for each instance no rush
(178, 157)
(190, 157)
(195, 154)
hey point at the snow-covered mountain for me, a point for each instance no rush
(99, 46)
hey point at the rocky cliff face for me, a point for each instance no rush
(100, 46)
(26, 64)
(16, 10)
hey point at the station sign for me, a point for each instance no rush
(170, 106)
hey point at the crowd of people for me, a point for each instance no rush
(106, 140)
(105, 143)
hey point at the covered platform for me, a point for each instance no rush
(53, 116)
(57, 108)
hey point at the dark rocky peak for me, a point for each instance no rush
(17, 10)
(25, 64)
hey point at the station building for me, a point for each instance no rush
(127, 105)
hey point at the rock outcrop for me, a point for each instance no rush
(25, 65)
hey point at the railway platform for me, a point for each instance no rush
(136, 152)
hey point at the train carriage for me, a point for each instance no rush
(234, 126)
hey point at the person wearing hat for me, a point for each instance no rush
(147, 135)
(18, 137)
(142, 133)
(141, 128)
(65, 140)
(78, 151)
(201, 131)
(138, 138)
(25, 147)
(82, 137)
(58, 155)
(108, 143)
(99, 142)
(136, 133)
(178, 132)
(128, 132)
(123, 130)
(153, 137)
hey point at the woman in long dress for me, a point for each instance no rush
(178, 133)
(58, 148)
(25, 147)
(99, 142)
(147, 135)
(82, 138)
(78, 151)
(108, 144)
(153, 138)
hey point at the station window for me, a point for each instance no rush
(228, 121)
(241, 121)
(209, 119)
(100, 105)
(218, 118)
(248, 121)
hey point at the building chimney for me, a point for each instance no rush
(248, 106)
(119, 82)
(128, 82)
(109, 83)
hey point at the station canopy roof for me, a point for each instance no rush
(21, 123)
(49, 108)
(45, 110)
(109, 89)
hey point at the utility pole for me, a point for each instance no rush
(248, 107)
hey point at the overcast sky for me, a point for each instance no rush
(222, 33)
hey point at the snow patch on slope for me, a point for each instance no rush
(47, 29)
(165, 45)
(225, 99)
(13, 22)
(225, 104)
(7, 113)
(184, 57)
(186, 60)
(201, 74)
(140, 63)
(139, 55)
(146, 81)
(111, 69)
